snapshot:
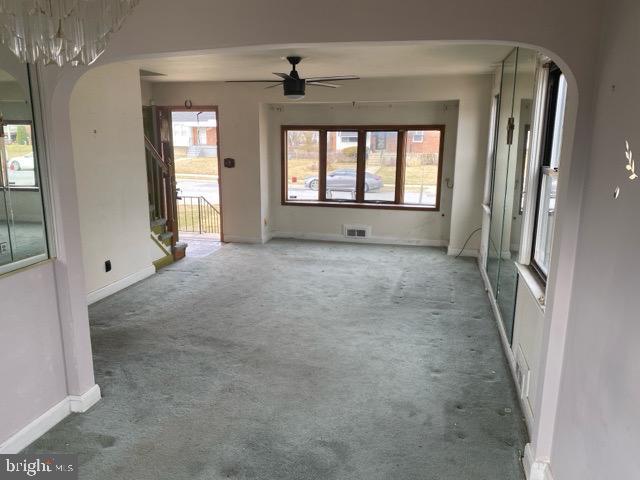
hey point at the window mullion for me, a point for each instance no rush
(323, 166)
(400, 166)
(361, 158)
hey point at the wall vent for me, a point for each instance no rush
(356, 231)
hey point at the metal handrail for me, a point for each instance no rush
(197, 215)
(210, 205)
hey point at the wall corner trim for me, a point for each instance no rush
(535, 469)
(82, 403)
(49, 419)
(99, 294)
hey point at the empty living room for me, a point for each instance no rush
(319, 240)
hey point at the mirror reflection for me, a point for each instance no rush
(22, 227)
(509, 173)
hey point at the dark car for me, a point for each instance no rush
(345, 180)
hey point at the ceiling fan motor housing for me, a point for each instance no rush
(294, 87)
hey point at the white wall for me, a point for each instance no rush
(242, 123)
(597, 425)
(146, 92)
(411, 227)
(108, 146)
(45, 352)
(32, 367)
(527, 344)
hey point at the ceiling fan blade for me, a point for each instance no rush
(322, 84)
(252, 81)
(284, 76)
(335, 78)
(274, 85)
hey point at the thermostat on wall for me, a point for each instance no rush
(229, 162)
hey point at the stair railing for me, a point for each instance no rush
(197, 215)
(161, 184)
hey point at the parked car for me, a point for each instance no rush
(345, 180)
(25, 162)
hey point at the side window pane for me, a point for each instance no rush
(342, 164)
(380, 171)
(546, 221)
(303, 164)
(421, 167)
(18, 142)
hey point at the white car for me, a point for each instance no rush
(25, 162)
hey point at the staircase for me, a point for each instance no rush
(162, 204)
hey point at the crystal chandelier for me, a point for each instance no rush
(63, 32)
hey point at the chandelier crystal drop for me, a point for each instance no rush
(62, 32)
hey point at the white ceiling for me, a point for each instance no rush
(367, 61)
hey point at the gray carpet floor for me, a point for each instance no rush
(300, 360)
(27, 240)
(200, 245)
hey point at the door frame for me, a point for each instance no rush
(205, 108)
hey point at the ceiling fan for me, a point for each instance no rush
(294, 86)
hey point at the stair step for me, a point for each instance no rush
(158, 222)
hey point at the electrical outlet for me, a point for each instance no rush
(107, 266)
(4, 248)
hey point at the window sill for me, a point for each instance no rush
(21, 188)
(22, 265)
(533, 283)
(347, 204)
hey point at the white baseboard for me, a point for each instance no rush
(82, 403)
(467, 252)
(336, 237)
(535, 470)
(49, 419)
(241, 239)
(99, 294)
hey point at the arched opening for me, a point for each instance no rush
(254, 113)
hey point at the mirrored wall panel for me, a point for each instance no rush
(514, 181)
(507, 198)
(500, 167)
(22, 225)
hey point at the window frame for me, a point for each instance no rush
(544, 168)
(525, 168)
(359, 201)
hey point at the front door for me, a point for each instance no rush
(194, 149)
